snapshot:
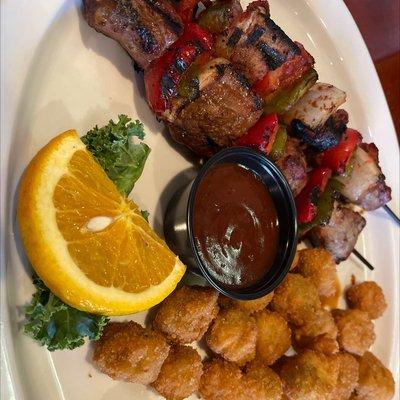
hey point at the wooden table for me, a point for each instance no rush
(379, 23)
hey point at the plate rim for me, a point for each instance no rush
(11, 387)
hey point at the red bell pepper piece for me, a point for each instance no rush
(261, 135)
(338, 156)
(307, 199)
(163, 74)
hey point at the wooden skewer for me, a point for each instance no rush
(392, 214)
(363, 260)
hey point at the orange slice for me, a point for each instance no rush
(89, 244)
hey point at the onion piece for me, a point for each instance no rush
(316, 106)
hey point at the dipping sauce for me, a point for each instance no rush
(235, 226)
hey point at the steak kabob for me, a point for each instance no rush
(223, 77)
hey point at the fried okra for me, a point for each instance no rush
(233, 335)
(309, 376)
(186, 314)
(347, 379)
(251, 306)
(129, 352)
(222, 380)
(296, 299)
(367, 296)
(274, 336)
(261, 382)
(320, 334)
(355, 330)
(320, 267)
(180, 374)
(375, 381)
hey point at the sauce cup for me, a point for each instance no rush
(178, 223)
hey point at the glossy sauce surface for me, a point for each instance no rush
(235, 226)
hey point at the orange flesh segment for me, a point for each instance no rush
(126, 254)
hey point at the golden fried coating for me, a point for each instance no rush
(320, 267)
(274, 336)
(180, 374)
(128, 352)
(319, 334)
(296, 299)
(233, 335)
(295, 261)
(355, 330)
(367, 296)
(325, 344)
(186, 314)
(309, 376)
(222, 380)
(348, 377)
(261, 382)
(375, 382)
(251, 306)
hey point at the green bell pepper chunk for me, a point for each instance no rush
(188, 86)
(350, 166)
(325, 206)
(278, 148)
(280, 101)
(215, 18)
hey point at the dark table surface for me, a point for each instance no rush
(379, 23)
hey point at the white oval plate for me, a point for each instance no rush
(57, 73)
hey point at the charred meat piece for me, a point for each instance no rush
(224, 108)
(201, 145)
(257, 46)
(366, 184)
(340, 235)
(293, 165)
(144, 28)
(324, 137)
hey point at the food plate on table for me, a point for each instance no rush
(61, 74)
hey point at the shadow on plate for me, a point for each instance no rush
(177, 182)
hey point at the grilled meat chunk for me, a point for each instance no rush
(144, 28)
(256, 46)
(366, 185)
(223, 109)
(340, 235)
(293, 165)
(324, 137)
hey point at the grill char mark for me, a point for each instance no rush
(322, 138)
(272, 57)
(176, 26)
(255, 35)
(277, 32)
(148, 41)
(235, 37)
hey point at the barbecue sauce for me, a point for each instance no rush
(235, 226)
